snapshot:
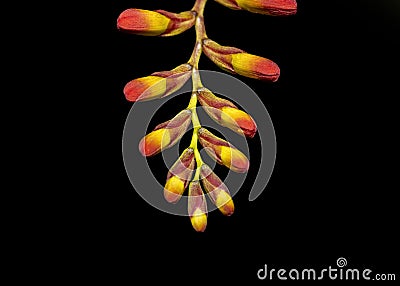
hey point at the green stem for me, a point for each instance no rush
(194, 141)
(198, 8)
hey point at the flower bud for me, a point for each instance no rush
(179, 175)
(166, 134)
(158, 84)
(226, 113)
(217, 191)
(197, 207)
(223, 152)
(266, 7)
(155, 23)
(237, 61)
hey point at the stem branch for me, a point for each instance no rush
(198, 8)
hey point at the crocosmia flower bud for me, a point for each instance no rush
(266, 7)
(158, 84)
(166, 134)
(217, 191)
(179, 175)
(197, 207)
(237, 61)
(155, 23)
(223, 152)
(226, 113)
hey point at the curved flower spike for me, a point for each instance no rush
(223, 152)
(158, 84)
(217, 191)
(179, 175)
(166, 134)
(226, 113)
(266, 7)
(197, 207)
(237, 61)
(155, 23)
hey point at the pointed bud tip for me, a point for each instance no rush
(199, 220)
(234, 159)
(145, 88)
(153, 142)
(141, 147)
(239, 121)
(132, 91)
(227, 209)
(255, 67)
(225, 203)
(142, 22)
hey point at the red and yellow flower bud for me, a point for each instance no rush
(166, 134)
(179, 175)
(255, 67)
(158, 84)
(226, 113)
(217, 191)
(266, 7)
(155, 23)
(237, 61)
(197, 207)
(223, 152)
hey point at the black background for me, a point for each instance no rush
(332, 192)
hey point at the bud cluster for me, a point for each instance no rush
(160, 84)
